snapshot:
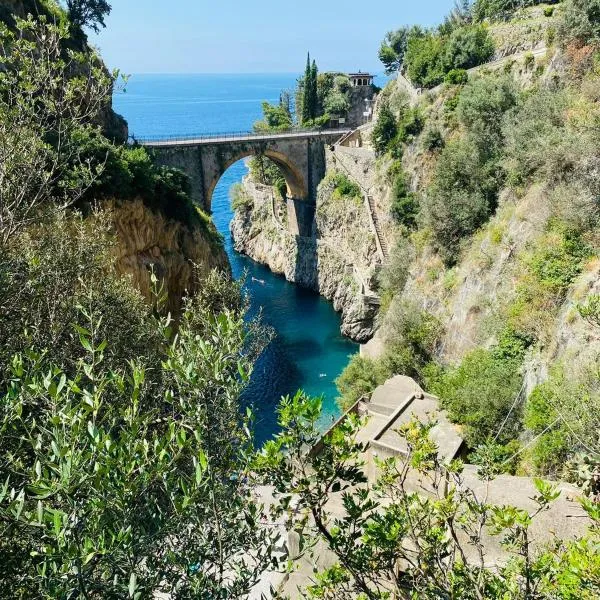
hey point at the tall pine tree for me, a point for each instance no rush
(314, 97)
(306, 92)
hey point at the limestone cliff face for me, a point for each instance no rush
(337, 260)
(147, 241)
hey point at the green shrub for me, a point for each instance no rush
(276, 117)
(263, 170)
(496, 458)
(468, 174)
(431, 55)
(548, 11)
(494, 9)
(410, 335)
(384, 131)
(511, 345)
(468, 47)
(240, 199)
(479, 393)
(528, 60)
(405, 206)
(105, 480)
(563, 412)
(394, 272)
(451, 104)
(456, 77)
(550, 450)
(590, 310)
(344, 187)
(579, 22)
(358, 380)
(396, 168)
(410, 124)
(52, 269)
(558, 262)
(424, 59)
(482, 106)
(127, 172)
(432, 139)
(460, 198)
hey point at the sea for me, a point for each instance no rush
(307, 351)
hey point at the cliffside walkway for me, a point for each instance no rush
(369, 201)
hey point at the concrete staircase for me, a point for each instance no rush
(381, 241)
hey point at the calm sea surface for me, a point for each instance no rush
(308, 351)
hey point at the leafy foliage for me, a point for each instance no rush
(590, 310)
(456, 77)
(431, 55)
(390, 539)
(405, 206)
(562, 415)
(276, 117)
(411, 335)
(106, 496)
(360, 377)
(468, 47)
(579, 22)
(88, 13)
(481, 391)
(384, 131)
(425, 56)
(343, 186)
(463, 193)
(393, 49)
(42, 110)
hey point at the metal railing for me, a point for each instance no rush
(235, 135)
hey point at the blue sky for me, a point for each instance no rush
(253, 36)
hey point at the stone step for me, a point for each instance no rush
(380, 409)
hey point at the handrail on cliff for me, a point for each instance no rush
(345, 137)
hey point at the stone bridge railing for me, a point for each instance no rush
(237, 136)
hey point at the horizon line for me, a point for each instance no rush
(296, 73)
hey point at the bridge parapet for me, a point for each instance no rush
(211, 138)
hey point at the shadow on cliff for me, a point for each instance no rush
(306, 270)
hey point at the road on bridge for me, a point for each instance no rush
(224, 138)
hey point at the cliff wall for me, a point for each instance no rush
(179, 255)
(337, 260)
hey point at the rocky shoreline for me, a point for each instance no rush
(335, 261)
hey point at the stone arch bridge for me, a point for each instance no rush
(299, 154)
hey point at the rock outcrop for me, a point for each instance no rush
(337, 260)
(180, 255)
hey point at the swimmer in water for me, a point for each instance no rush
(261, 281)
(322, 374)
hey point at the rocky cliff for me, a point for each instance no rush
(170, 237)
(338, 260)
(179, 255)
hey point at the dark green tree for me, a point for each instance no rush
(385, 130)
(88, 13)
(306, 92)
(393, 48)
(314, 96)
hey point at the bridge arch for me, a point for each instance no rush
(297, 186)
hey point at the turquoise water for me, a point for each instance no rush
(308, 351)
